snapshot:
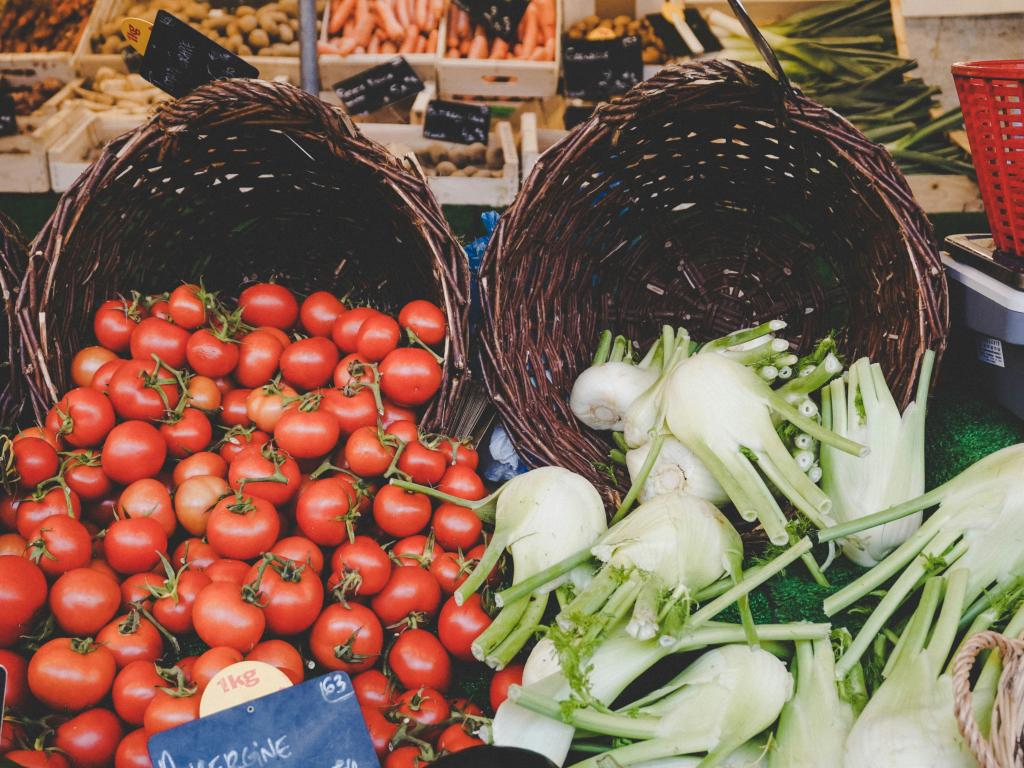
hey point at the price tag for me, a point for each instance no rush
(316, 724)
(597, 69)
(178, 59)
(239, 683)
(501, 17)
(378, 87)
(457, 122)
(8, 115)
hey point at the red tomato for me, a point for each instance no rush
(58, 544)
(243, 527)
(34, 510)
(460, 453)
(381, 730)
(265, 472)
(309, 363)
(362, 566)
(283, 656)
(148, 498)
(408, 591)
(105, 374)
(419, 660)
(405, 430)
(35, 460)
(265, 405)
(378, 335)
(347, 637)
(307, 434)
(202, 464)
(131, 638)
(155, 336)
(212, 662)
(12, 544)
(83, 600)
(327, 510)
(42, 433)
(17, 681)
(175, 599)
(459, 625)
(83, 417)
(222, 617)
(393, 413)
(259, 355)
(70, 675)
(237, 439)
(416, 550)
(425, 708)
(33, 758)
(11, 734)
(114, 323)
(366, 455)
(318, 313)
(503, 680)
(227, 570)
(457, 737)
(346, 327)
(410, 376)
(209, 354)
(291, 595)
(423, 319)
(352, 411)
(91, 738)
(133, 450)
(87, 361)
(85, 476)
(400, 513)
(195, 499)
(133, 751)
(353, 368)
(204, 393)
(456, 528)
(374, 690)
(136, 589)
(462, 483)
(187, 305)
(134, 544)
(190, 434)
(464, 708)
(235, 409)
(158, 307)
(169, 710)
(406, 756)
(268, 304)
(423, 465)
(195, 553)
(300, 550)
(451, 569)
(134, 688)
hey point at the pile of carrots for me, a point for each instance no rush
(536, 36)
(383, 26)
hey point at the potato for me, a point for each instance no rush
(244, 50)
(470, 170)
(459, 172)
(244, 10)
(290, 49)
(459, 157)
(446, 168)
(285, 33)
(267, 23)
(477, 153)
(232, 28)
(290, 7)
(217, 22)
(136, 10)
(438, 153)
(495, 158)
(258, 38)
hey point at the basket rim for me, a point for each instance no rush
(995, 69)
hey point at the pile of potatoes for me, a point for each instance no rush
(596, 28)
(269, 29)
(476, 159)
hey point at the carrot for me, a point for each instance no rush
(325, 48)
(402, 13)
(452, 53)
(346, 45)
(479, 48)
(421, 43)
(517, 50)
(341, 13)
(499, 49)
(546, 11)
(409, 43)
(539, 54)
(436, 12)
(386, 13)
(364, 24)
(464, 47)
(420, 17)
(374, 46)
(529, 36)
(388, 47)
(431, 46)
(462, 24)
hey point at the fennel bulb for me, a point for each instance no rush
(750, 755)
(863, 410)
(675, 468)
(722, 411)
(814, 724)
(909, 721)
(602, 393)
(978, 526)
(654, 560)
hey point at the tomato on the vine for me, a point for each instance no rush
(87, 361)
(228, 570)
(202, 464)
(196, 498)
(456, 528)
(425, 708)
(59, 544)
(457, 737)
(265, 472)
(424, 319)
(300, 550)
(187, 433)
(237, 439)
(367, 454)
(347, 638)
(70, 674)
(291, 594)
(381, 730)
(410, 376)
(37, 758)
(409, 591)
(35, 460)
(360, 567)
(307, 432)
(309, 363)
(84, 475)
(211, 354)
(133, 751)
(204, 393)
(242, 526)
(17, 682)
(222, 616)
(352, 369)
(156, 336)
(398, 512)
(259, 355)
(130, 637)
(148, 497)
(265, 405)
(34, 510)
(451, 569)
(378, 335)
(195, 553)
(82, 418)
(234, 410)
(418, 550)
(211, 662)
(463, 483)
(134, 544)
(187, 305)
(352, 410)
(346, 327)
(327, 509)
(419, 660)
(134, 687)
(175, 599)
(423, 465)
(114, 322)
(136, 589)
(374, 690)
(171, 708)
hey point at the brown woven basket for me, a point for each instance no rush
(242, 180)
(711, 196)
(12, 266)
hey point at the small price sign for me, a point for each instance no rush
(457, 122)
(500, 17)
(178, 59)
(378, 87)
(597, 69)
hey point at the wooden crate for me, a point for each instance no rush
(945, 193)
(535, 141)
(23, 158)
(68, 157)
(458, 190)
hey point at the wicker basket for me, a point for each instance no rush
(711, 196)
(12, 265)
(242, 180)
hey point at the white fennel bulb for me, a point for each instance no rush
(676, 468)
(602, 393)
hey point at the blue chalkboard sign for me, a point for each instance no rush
(316, 724)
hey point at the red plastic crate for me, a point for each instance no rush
(992, 98)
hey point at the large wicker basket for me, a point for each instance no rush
(241, 180)
(712, 196)
(12, 266)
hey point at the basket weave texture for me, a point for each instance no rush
(12, 266)
(710, 197)
(242, 180)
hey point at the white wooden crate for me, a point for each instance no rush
(23, 158)
(534, 141)
(458, 190)
(68, 157)
(59, 65)
(508, 78)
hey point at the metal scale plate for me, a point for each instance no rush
(979, 251)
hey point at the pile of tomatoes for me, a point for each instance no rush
(215, 488)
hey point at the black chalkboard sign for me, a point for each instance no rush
(457, 121)
(317, 723)
(493, 757)
(500, 17)
(179, 58)
(576, 114)
(379, 86)
(597, 69)
(8, 115)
